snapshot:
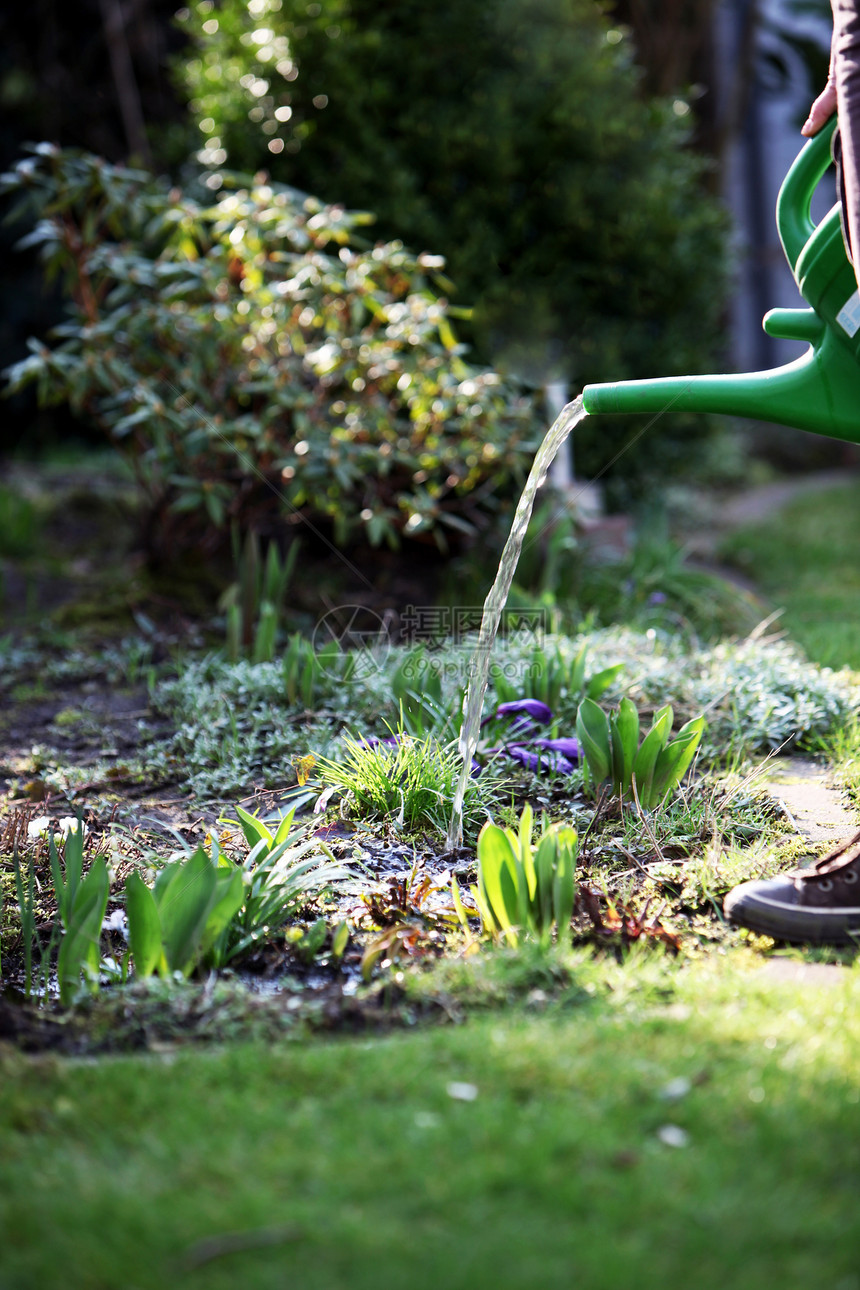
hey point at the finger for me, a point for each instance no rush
(820, 112)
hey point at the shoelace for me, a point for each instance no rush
(840, 857)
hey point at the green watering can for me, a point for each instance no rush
(819, 391)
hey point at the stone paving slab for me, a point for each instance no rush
(818, 808)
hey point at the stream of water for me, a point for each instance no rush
(479, 666)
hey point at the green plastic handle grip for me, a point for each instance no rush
(793, 206)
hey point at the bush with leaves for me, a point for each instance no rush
(257, 358)
(569, 209)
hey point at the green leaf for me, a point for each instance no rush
(183, 903)
(577, 673)
(234, 633)
(545, 864)
(675, 759)
(525, 865)
(79, 949)
(601, 681)
(460, 908)
(284, 828)
(226, 901)
(144, 928)
(624, 729)
(524, 835)
(254, 829)
(265, 634)
(59, 881)
(497, 878)
(67, 880)
(487, 920)
(646, 759)
(592, 728)
(370, 958)
(73, 859)
(313, 939)
(339, 940)
(564, 884)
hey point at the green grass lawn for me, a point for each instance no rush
(806, 560)
(347, 1163)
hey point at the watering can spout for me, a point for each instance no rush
(820, 391)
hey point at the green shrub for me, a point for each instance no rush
(255, 358)
(569, 210)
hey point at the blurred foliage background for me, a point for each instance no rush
(543, 148)
(511, 138)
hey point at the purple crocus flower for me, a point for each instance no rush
(549, 759)
(526, 713)
(533, 708)
(523, 755)
(568, 748)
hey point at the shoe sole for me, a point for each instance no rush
(803, 925)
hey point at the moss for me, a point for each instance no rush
(69, 717)
(29, 692)
(9, 919)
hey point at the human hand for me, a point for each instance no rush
(821, 111)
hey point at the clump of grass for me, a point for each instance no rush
(710, 875)
(408, 782)
(732, 808)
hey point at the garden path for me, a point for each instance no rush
(753, 504)
(716, 516)
(811, 800)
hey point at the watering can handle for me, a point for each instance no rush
(793, 216)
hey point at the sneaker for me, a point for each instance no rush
(817, 906)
